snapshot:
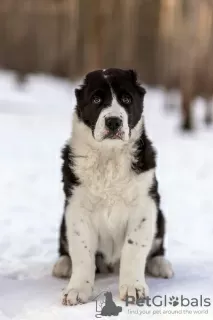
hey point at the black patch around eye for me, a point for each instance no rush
(97, 97)
(125, 99)
(96, 100)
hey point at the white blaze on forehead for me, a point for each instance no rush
(116, 110)
(105, 75)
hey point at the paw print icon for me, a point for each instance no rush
(174, 301)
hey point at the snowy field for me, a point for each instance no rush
(35, 120)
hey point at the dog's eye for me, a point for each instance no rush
(126, 99)
(96, 99)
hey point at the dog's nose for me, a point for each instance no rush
(113, 123)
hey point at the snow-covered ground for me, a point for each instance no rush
(35, 120)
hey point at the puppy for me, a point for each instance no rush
(112, 205)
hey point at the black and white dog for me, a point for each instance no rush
(112, 207)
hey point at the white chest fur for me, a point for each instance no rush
(109, 192)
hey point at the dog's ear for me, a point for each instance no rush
(79, 94)
(79, 91)
(133, 75)
(134, 78)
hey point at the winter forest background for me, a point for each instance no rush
(169, 42)
(46, 47)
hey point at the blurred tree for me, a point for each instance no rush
(168, 41)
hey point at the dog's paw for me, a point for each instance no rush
(160, 267)
(62, 268)
(72, 296)
(138, 290)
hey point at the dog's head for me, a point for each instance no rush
(110, 103)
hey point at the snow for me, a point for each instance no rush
(35, 120)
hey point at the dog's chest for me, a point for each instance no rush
(108, 178)
(110, 192)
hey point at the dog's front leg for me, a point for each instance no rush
(82, 247)
(138, 241)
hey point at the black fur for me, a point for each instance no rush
(94, 84)
(63, 244)
(145, 155)
(69, 180)
(154, 193)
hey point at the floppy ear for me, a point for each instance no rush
(134, 77)
(79, 94)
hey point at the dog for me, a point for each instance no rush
(112, 205)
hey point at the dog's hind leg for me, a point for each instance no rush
(157, 264)
(63, 266)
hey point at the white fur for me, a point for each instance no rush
(105, 213)
(160, 267)
(62, 268)
(115, 110)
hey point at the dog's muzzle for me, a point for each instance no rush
(113, 127)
